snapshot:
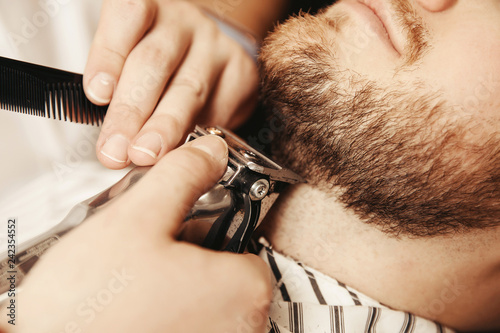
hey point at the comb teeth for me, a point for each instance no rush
(46, 92)
(66, 101)
(21, 92)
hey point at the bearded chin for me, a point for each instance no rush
(401, 159)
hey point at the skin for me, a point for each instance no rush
(451, 278)
(464, 35)
(164, 65)
(165, 283)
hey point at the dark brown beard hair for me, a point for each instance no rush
(403, 159)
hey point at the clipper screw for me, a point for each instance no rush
(259, 189)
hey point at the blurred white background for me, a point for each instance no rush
(47, 166)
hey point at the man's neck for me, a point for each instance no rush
(312, 226)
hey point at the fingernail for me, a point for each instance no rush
(149, 143)
(101, 88)
(213, 145)
(115, 148)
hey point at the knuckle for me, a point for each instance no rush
(112, 56)
(187, 9)
(190, 80)
(129, 112)
(133, 10)
(122, 114)
(167, 123)
(153, 55)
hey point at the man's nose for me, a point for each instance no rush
(436, 5)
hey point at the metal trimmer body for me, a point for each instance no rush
(224, 218)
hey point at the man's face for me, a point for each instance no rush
(454, 51)
(397, 103)
(400, 111)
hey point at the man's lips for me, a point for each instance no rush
(381, 10)
(370, 22)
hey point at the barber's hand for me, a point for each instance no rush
(164, 65)
(124, 271)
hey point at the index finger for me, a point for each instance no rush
(167, 192)
(121, 26)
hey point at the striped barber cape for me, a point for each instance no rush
(307, 301)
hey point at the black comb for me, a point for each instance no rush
(46, 92)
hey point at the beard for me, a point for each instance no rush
(402, 157)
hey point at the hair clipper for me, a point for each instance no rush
(224, 218)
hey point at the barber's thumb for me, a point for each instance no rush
(206, 157)
(168, 191)
(213, 145)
